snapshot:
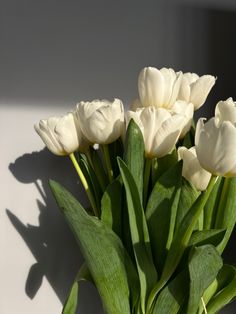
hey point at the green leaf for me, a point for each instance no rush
(172, 298)
(111, 207)
(212, 236)
(212, 204)
(134, 154)
(103, 251)
(99, 169)
(163, 164)
(227, 284)
(188, 196)
(139, 234)
(180, 241)
(226, 212)
(224, 277)
(115, 150)
(161, 212)
(70, 306)
(91, 179)
(204, 265)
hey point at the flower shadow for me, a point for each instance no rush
(52, 244)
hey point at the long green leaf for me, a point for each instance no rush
(91, 179)
(139, 234)
(226, 293)
(99, 168)
(172, 298)
(226, 212)
(188, 196)
(134, 154)
(161, 212)
(223, 279)
(212, 236)
(180, 242)
(111, 207)
(204, 265)
(103, 251)
(163, 164)
(212, 204)
(70, 306)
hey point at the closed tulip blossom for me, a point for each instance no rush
(195, 89)
(102, 121)
(192, 170)
(159, 127)
(215, 140)
(158, 88)
(62, 135)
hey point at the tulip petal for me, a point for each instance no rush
(151, 87)
(101, 122)
(216, 146)
(200, 90)
(226, 111)
(167, 136)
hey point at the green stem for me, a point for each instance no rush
(201, 221)
(107, 162)
(147, 171)
(84, 183)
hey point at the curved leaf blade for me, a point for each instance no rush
(204, 265)
(139, 234)
(134, 154)
(103, 251)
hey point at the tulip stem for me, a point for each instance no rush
(84, 183)
(107, 161)
(147, 171)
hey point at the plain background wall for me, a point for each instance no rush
(52, 55)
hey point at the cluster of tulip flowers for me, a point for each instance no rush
(162, 195)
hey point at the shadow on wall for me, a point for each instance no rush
(51, 242)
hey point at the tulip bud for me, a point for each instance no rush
(62, 135)
(195, 89)
(192, 171)
(101, 121)
(215, 140)
(158, 88)
(159, 127)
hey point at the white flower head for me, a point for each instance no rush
(192, 170)
(160, 129)
(158, 88)
(195, 89)
(62, 135)
(101, 121)
(215, 140)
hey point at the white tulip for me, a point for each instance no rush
(62, 135)
(158, 88)
(101, 121)
(159, 127)
(195, 89)
(192, 170)
(187, 110)
(215, 141)
(226, 111)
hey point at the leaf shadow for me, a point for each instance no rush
(52, 244)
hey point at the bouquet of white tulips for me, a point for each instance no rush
(162, 196)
